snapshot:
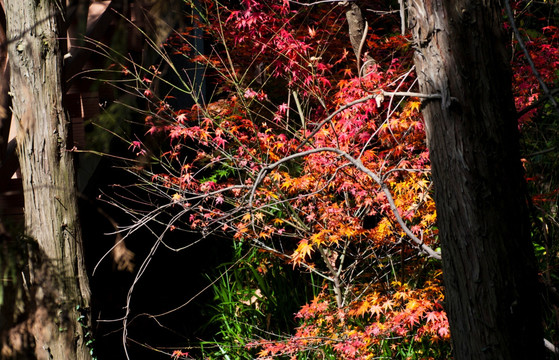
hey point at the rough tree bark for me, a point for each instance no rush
(5, 114)
(488, 262)
(57, 281)
(357, 28)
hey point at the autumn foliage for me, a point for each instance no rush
(318, 159)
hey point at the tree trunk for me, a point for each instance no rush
(5, 114)
(488, 262)
(57, 281)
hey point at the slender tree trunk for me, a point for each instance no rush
(357, 26)
(488, 262)
(57, 281)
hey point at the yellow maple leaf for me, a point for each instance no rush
(414, 105)
(363, 308)
(263, 353)
(259, 216)
(303, 250)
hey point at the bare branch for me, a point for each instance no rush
(359, 165)
(342, 2)
(535, 71)
(362, 100)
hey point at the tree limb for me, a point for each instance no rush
(544, 87)
(359, 165)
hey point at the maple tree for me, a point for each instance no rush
(314, 155)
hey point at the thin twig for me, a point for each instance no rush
(362, 100)
(320, 2)
(360, 49)
(359, 165)
(536, 103)
(402, 17)
(544, 87)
